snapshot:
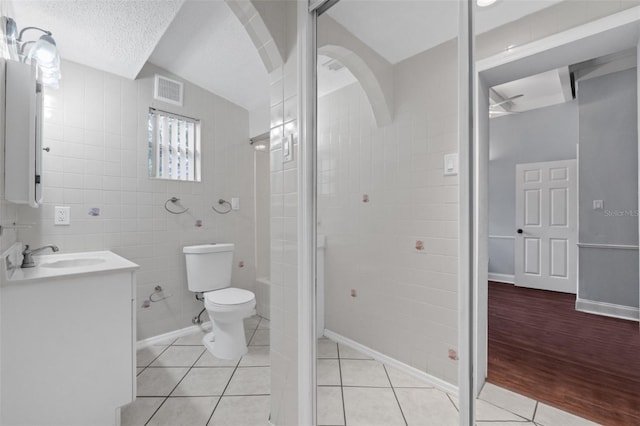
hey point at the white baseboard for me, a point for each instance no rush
(607, 309)
(502, 278)
(421, 375)
(162, 338)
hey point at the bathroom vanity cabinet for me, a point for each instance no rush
(67, 340)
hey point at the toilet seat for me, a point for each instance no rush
(229, 296)
(229, 299)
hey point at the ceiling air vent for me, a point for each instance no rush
(333, 65)
(168, 90)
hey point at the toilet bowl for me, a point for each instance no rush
(227, 308)
(209, 272)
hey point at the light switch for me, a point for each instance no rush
(451, 164)
(598, 204)
(235, 203)
(287, 148)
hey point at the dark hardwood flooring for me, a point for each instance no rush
(541, 347)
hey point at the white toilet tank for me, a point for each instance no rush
(208, 266)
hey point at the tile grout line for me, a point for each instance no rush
(344, 408)
(379, 387)
(229, 382)
(156, 410)
(153, 360)
(193, 365)
(177, 384)
(395, 395)
(508, 410)
(535, 411)
(212, 396)
(354, 359)
(452, 403)
(253, 334)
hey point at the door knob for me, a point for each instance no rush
(519, 231)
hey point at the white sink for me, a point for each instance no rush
(73, 263)
(60, 265)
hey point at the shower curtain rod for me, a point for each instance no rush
(262, 137)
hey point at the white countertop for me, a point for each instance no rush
(51, 266)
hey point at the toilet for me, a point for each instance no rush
(209, 272)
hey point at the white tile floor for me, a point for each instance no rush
(356, 390)
(180, 383)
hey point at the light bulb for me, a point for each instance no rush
(485, 3)
(44, 51)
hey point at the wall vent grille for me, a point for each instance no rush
(168, 90)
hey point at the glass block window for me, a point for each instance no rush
(174, 146)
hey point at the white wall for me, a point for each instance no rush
(406, 305)
(259, 121)
(96, 127)
(608, 171)
(551, 20)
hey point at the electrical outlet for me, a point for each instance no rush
(62, 216)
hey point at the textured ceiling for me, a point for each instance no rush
(400, 29)
(207, 45)
(112, 35)
(203, 42)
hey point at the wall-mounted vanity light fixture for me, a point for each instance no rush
(42, 51)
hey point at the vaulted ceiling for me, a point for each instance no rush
(398, 30)
(203, 42)
(114, 36)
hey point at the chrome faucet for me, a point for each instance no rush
(27, 261)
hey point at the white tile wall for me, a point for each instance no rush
(284, 279)
(406, 304)
(263, 214)
(284, 234)
(96, 127)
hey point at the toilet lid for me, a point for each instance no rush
(229, 296)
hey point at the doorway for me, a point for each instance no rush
(390, 292)
(573, 47)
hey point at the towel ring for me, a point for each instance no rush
(174, 200)
(221, 201)
(157, 291)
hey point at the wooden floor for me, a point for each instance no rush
(541, 347)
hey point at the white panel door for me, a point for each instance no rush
(546, 217)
